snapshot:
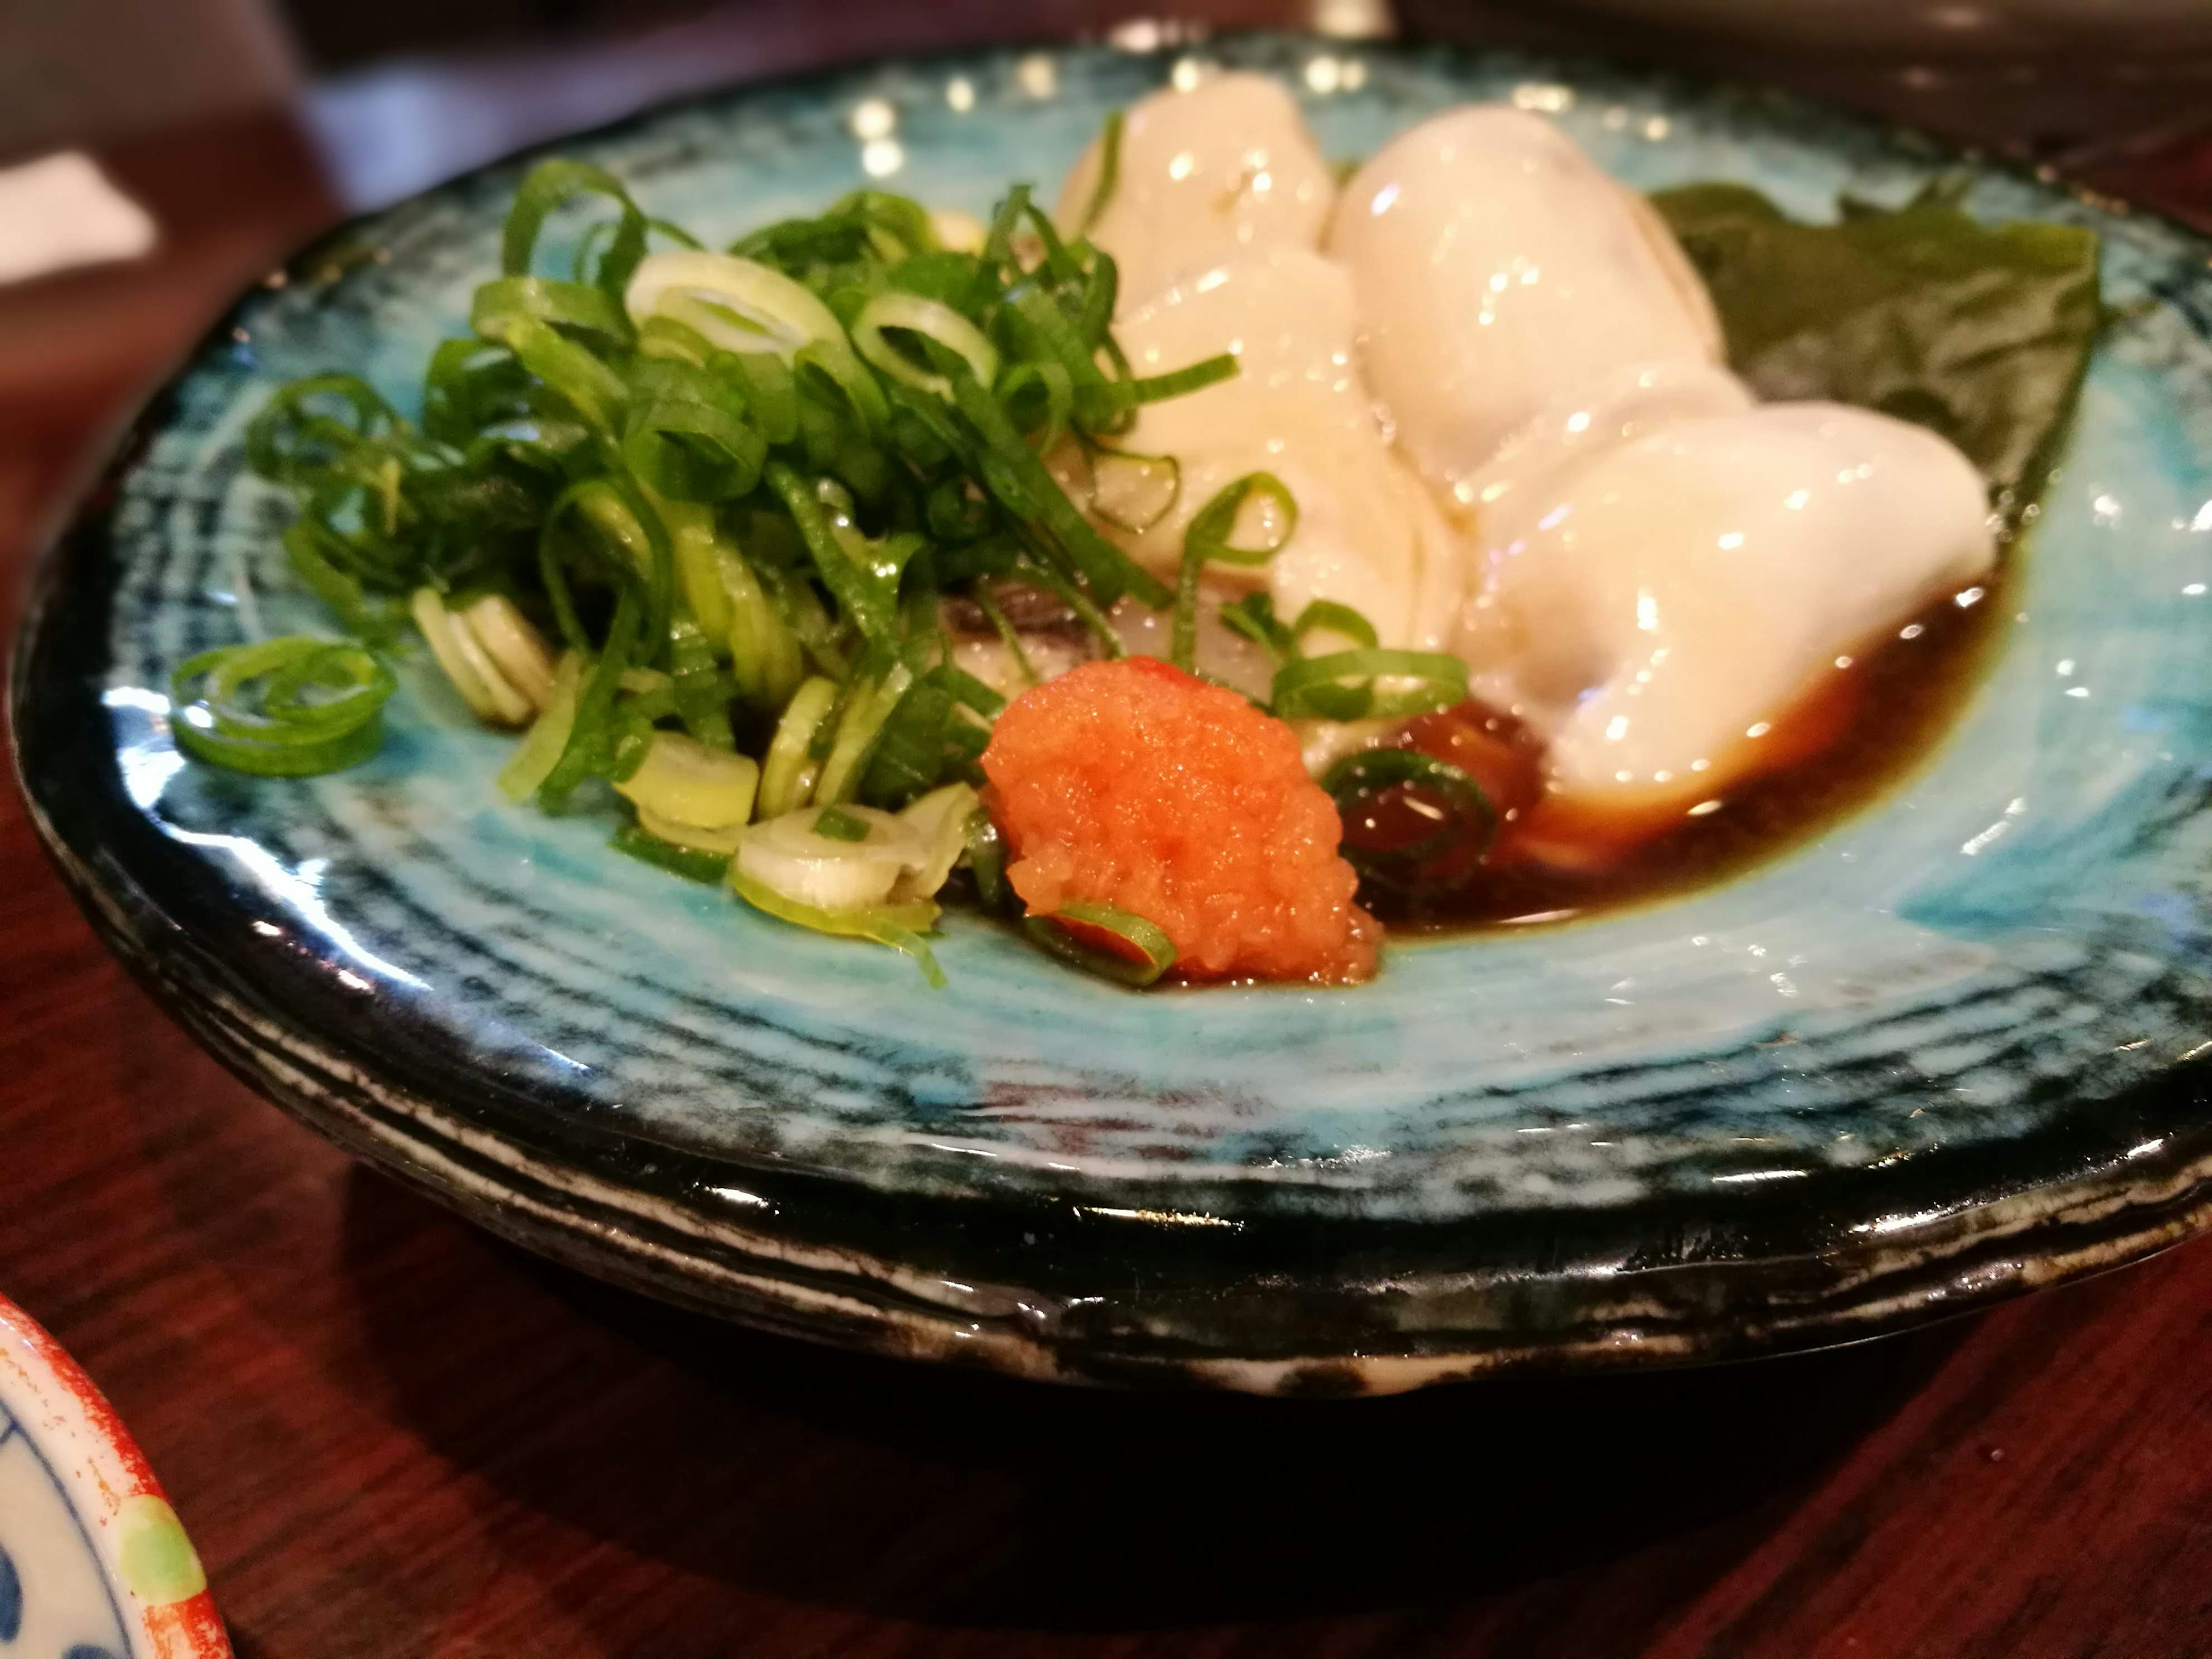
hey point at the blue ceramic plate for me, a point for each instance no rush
(1945, 1052)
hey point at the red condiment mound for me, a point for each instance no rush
(1133, 784)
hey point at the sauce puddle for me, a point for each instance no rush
(1859, 732)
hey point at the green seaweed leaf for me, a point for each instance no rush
(1980, 333)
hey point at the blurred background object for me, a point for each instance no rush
(88, 72)
(403, 92)
(2049, 79)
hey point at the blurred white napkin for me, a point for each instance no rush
(61, 211)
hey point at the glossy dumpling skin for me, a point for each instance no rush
(1497, 268)
(1649, 606)
(1223, 169)
(1613, 408)
(1367, 535)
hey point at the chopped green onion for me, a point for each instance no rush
(1158, 950)
(543, 744)
(1110, 572)
(701, 690)
(986, 861)
(597, 393)
(1254, 617)
(516, 649)
(738, 305)
(771, 391)
(293, 707)
(1052, 383)
(860, 728)
(899, 925)
(689, 862)
(1093, 619)
(313, 425)
(793, 856)
(941, 819)
(1095, 316)
(683, 778)
(1134, 492)
(552, 185)
(685, 434)
(764, 653)
(1314, 688)
(577, 309)
(836, 823)
(696, 836)
(867, 592)
(709, 472)
(1110, 174)
(1035, 314)
(1181, 382)
(1217, 520)
(468, 667)
(1007, 636)
(1206, 541)
(939, 323)
(1357, 780)
(788, 775)
(1327, 615)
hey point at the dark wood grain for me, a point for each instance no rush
(394, 1437)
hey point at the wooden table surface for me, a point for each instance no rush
(393, 1436)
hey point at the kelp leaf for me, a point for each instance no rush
(1980, 333)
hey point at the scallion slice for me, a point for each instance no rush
(899, 925)
(939, 323)
(1181, 382)
(1357, 780)
(467, 666)
(836, 823)
(552, 185)
(696, 836)
(1134, 492)
(293, 707)
(689, 862)
(739, 305)
(1008, 638)
(577, 309)
(516, 649)
(941, 819)
(1110, 174)
(860, 728)
(542, 745)
(1315, 688)
(986, 861)
(787, 777)
(1208, 541)
(692, 782)
(1156, 950)
(1327, 616)
(1254, 617)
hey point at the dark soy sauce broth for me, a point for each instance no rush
(1859, 732)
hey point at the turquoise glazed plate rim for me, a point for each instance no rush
(1950, 1049)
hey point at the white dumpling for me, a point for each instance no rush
(1496, 269)
(1223, 168)
(1367, 535)
(1649, 606)
(1611, 408)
